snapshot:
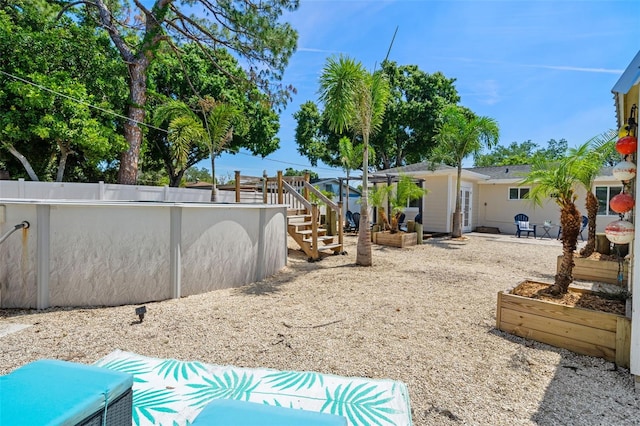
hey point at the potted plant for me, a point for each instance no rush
(538, 314)
(398, 195)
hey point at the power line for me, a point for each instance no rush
(115, 114)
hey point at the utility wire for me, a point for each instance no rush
(41, 87)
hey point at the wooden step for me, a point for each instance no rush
(330, 246)
(310, 231)
(298, 216)
(320, 238)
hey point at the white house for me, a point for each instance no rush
(492, 196)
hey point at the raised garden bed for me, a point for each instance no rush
(584, 331)
(399, 239)
(601, 269)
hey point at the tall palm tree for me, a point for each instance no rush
(558, 180)
(214, 125)
(460, 134)
(591, 156)
(355, 99)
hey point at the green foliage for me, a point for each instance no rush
(61, 138)
(406, 130)
(194, 174)
(250, 30)
(173, 79)
(289, 171)
(521, 153)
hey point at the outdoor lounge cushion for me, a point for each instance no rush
(523, 225)
(226, 412)
(51, 392)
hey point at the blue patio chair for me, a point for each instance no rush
(585, 223)
(523, 225)
(350, 224)
(356, 221)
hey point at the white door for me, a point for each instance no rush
(466, 209)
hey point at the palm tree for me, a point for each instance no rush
(557, 180)
(460, 134)
(186, 127)
(591, 156)
(355, 99)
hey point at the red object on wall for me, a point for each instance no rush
(622, 203)
(627, 145)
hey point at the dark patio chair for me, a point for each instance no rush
(350, 224)
(356, 221)
(523, 225)
(585, 223)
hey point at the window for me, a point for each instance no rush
(604, 194)
(518, 193)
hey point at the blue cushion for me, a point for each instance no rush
(242, 413)
(51, 392)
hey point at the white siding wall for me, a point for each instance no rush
(437, 205)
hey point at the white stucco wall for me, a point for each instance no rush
(114, 253)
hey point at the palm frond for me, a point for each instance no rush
(147, 401)
(228, 385)
(361, 405)
(179, 369)
(291, 379)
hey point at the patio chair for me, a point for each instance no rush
(523, 225)
(356, 221)
(585, 223)
(350, 224)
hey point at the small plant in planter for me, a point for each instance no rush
(399, 195)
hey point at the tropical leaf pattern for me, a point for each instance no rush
(290, 379)
(146, 401)
(171, 393)
(228, 385)
(130, 366)
(179, 369)
(360, 404)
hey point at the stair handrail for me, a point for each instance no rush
(323, 198)
(291, 190)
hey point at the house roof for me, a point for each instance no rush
(426, 168)
(629, 78)
(503, 172)
(335, 180)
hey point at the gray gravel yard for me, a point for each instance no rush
(423, 315)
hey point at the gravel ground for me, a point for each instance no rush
(424, 315)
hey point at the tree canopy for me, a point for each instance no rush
(406, 132)
(521, 153)
(51, 135)
(252, 30)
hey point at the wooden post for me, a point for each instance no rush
(305, 191)
(265, 186)
(237, 173)
(280, 189)
(419, 232)
(340, 226)
(314, 231)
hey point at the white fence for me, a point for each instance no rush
(28, 190)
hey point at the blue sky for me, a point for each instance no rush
(543, 69)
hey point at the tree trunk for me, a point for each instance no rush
(592, 212)
(570, 220)
(214, 190)
(456, 231)
(128, 173)
(24, 161)
(363, 252)
(62, 164)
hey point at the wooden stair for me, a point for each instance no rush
(301, 227)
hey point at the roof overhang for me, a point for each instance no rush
(627, 88)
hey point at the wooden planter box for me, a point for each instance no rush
(399, 239)
(604, 271)
(583, 331)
